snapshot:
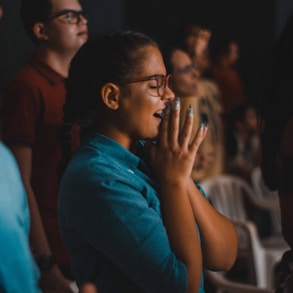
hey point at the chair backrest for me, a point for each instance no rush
(227, 194)
(263, 193)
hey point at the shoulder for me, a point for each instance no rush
(90, 168)
(8, 165)
(24, 85)
(13, 207)
(5, 155)
(211, 84)
(25, 75)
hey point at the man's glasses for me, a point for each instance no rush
(187, 69)
(158, 85)
(71, 16)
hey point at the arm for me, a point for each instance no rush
(172, 159)
(89, 288)
(177, 213)
(218, 235)
(38, 239)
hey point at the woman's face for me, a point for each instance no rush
(139, 109)
(234, 53)
(185, 76)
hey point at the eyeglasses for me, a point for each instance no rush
(158, 87)
(187, 69)
(71, 16)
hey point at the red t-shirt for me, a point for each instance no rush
(32, 115)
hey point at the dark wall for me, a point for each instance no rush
(14, 44)
(254, 23)
(104, 15)
(251, 22)
(283, 8)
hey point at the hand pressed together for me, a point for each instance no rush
(172, 157)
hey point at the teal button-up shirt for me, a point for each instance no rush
(111, 222)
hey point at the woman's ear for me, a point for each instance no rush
(110, 93)
(39, 31)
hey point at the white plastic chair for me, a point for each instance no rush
(227, 194)
(223, 285)
(267, 199)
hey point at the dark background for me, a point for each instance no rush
(255, 24)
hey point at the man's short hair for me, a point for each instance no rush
(33, 11)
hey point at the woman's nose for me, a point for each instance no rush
(168, 94)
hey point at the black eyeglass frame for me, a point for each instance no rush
(165, 81)
(78, 15)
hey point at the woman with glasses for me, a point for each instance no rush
(194, 39)
(131, 217)
(192, 89)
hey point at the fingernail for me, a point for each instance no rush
(167, 109)
(190, 110)
(204, 118)
(177, 103)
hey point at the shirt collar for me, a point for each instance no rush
(113, 149)
(45, 70)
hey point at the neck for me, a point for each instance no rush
(58, 62)
(114, 132)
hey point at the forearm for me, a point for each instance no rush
(38, 238)
(218, 235)
(179, 221)
(51, 277)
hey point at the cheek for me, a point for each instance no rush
(68, 31)
(143, 109)
(69, 34)
(139, 107)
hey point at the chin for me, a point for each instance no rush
(153, 136)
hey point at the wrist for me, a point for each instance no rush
(45, 262)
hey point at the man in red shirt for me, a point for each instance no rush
(31, 119)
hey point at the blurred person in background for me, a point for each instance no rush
(224, 72)
(242, 142)
(194, 39)
(276, 112)
(32, 115)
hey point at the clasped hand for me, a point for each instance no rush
(172, 157)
